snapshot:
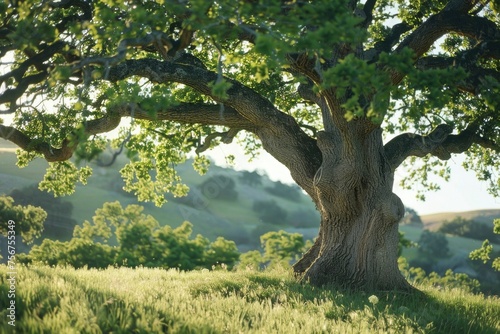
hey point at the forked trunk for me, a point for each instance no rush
(357, 246)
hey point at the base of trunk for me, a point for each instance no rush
(363, 260)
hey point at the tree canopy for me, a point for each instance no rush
(191, 73)
(341, 92)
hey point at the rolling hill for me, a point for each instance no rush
(433, 221)
(235, 218)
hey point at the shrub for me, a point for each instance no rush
(469, 229)
(280, 249)
(285, 191)
(140, 242)
(270, 212)
(450, 280)
(433, 245)
(219, 187)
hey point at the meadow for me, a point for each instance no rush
(125, 300)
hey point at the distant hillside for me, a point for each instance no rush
(232, 214)
(433, 221)
(234, 218)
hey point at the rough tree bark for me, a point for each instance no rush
(358, 243)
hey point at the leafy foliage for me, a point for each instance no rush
(140, 241)
(450, 280)
(484, 252)
(470, 229)
(28, 220)
(433, 244)
(240, 45)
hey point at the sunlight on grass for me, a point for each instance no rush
(58, 300)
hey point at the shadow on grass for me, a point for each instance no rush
(51, 301)
(443, 312)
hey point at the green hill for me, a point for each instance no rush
(234, 218)
(433, 221)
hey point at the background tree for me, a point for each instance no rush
(486, 250)
(127, 237)
(315, 83)
(59, 211)
(469, 229)
(431, 248)
(433, 244)
(28, 219)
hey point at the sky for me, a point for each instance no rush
(463, 192)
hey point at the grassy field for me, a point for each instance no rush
(64, 300)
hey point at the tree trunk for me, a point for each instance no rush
(357, 245)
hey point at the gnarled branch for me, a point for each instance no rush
(439, 143)
(475, 74)
(186, 113)
(226, 137)
(28, 144)
(453, 18)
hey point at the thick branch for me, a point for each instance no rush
(226, 137)
(420, 40)
(11, 95)
(392, 39)
(280, 134)
(368, 9)
(185, 113)
(28, 144)
(248, 103)
(439, 143)
(468, 61)
(190, 113)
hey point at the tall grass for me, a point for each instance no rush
(124, 300)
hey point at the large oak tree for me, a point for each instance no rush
(317, 84)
